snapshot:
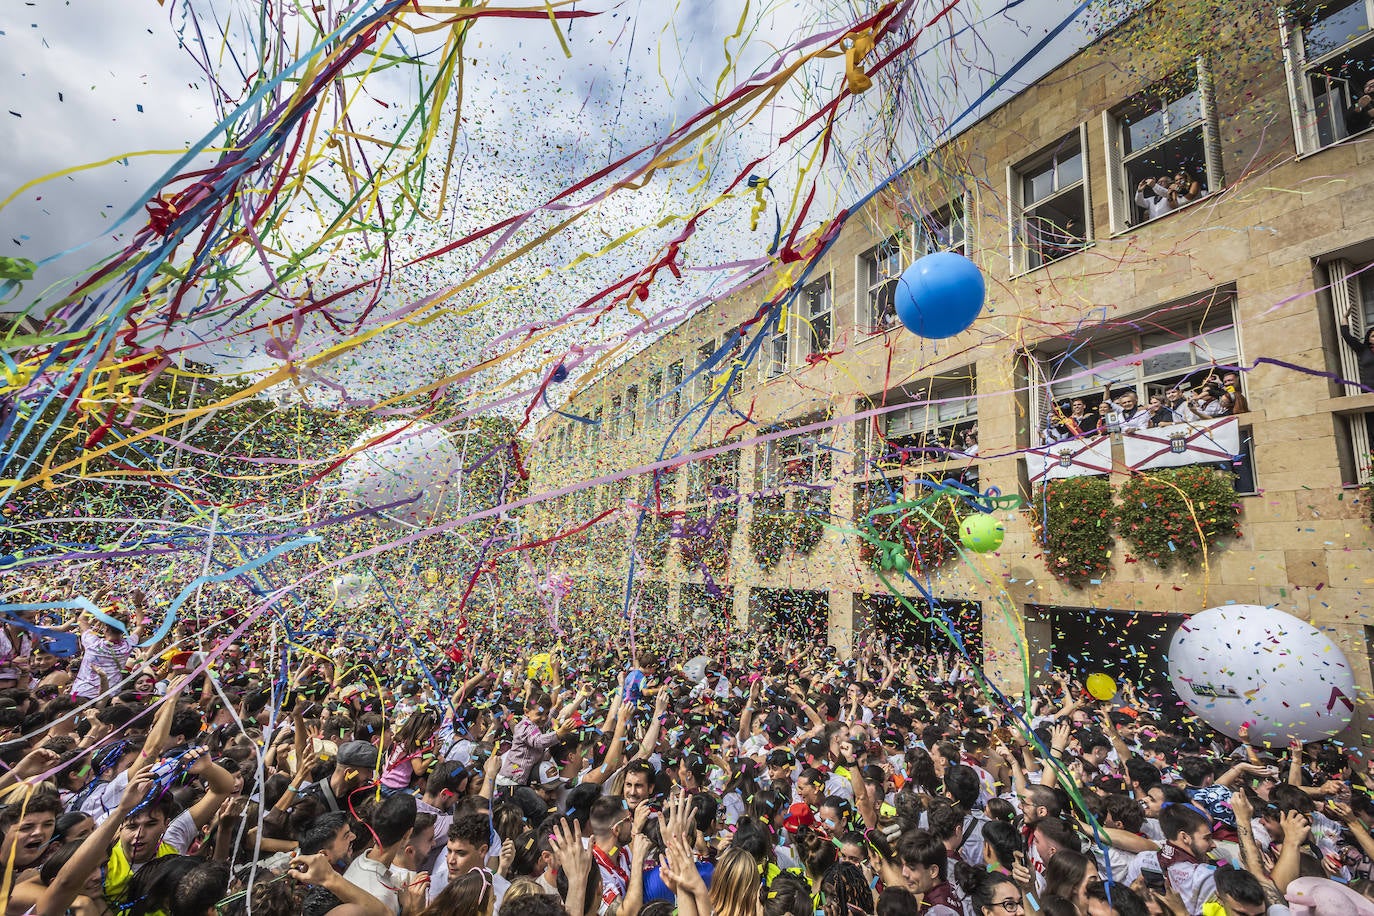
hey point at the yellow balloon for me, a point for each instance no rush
(1101, 686)
(431, 577)
(541, 667)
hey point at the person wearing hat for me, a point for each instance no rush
(355, 767)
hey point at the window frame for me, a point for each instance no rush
(615, 415)
(1215, 311)
(924, 237)
(934, 391)
(1017, 233)
(653, 394)
(807, 322)
(705, 379)
(631, 425)
(770, 367)
(1297, 69)
(868, 293)
(673, 387)
(1351, 288)
(1120, 194)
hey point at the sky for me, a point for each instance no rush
(87, 80)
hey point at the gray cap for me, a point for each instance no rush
(358, 754)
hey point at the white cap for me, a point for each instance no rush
(548, 773)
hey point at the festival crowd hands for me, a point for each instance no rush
(197, 777)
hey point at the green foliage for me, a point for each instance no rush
(654, 540)
(808, 528)
(707, 538)
(1155, 519)
(767, 536)
(773, 531)
(1073, 521)
(928, 536)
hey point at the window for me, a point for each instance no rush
(1329, 60)
(1352, 299)
(777, 352)
(1177, 360)
(653, 410)
(793, 460)
(594, 431)
(616, 417)
(944, 230)
(1051, 213)
(880, 267)
(1160, 145)
(631, 410)
(937, 425)
(734, 368)
(1180, 350)
(705, 378)
(674, 386)
(715, 477)
(818, 311)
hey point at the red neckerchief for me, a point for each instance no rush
(612, 866)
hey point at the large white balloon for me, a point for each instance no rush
(349, 589)
(413, 476)
(1243, 664)
(695, 668)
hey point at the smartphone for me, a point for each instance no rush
(1154, 880)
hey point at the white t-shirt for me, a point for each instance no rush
(99, 656)
(381, 881)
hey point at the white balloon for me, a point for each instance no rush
(695, 668)
(413, 476)
(1243, 664)
(349, 589)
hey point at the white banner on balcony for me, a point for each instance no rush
(1070, 458)
(1180, 444)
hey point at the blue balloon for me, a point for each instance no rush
(940, 295)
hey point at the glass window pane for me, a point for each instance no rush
(1070, 170)
(820, 334)
(1217, 347)
(1333, 26)
(1038, 185)
(1141, 127)
(1185, 110)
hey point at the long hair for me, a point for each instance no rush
(1065, 872)
(920, 770)
(468, 895)
(735, 885)
(845, 891)
(415, 730)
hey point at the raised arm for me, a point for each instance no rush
(615, 753)
(220, 785)
(650, 742)
(91, 854)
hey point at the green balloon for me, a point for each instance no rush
(900, 562)
(981, 532)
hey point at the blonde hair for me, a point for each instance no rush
(735, 885)
(522, 887)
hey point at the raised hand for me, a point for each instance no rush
(312, 869)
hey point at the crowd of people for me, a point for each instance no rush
(761, 776)
(1217, 395)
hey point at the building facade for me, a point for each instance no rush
(1104, 265)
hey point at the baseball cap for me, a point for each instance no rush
(549, 775)
(358, 754)
(798, 816)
